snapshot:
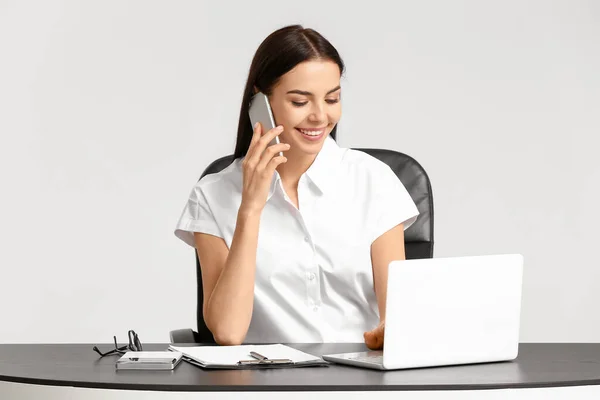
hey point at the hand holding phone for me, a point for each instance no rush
(259, 165)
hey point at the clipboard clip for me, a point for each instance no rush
(259, 359)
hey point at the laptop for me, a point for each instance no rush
(448, 311)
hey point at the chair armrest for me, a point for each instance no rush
(183, 336)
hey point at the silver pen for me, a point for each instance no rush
(260, 359)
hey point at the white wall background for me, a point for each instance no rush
(111, 110)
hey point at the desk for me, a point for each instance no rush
(74, 371)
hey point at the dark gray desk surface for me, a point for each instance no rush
(538, 365)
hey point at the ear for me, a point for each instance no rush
(256, 90)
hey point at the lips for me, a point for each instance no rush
(311, 134)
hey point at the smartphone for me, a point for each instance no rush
(260, 111)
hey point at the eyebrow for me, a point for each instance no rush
(305, 93)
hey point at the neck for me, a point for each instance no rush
(296, 165)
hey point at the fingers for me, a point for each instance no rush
(255, 137)
(374, 342)
(261, 144)
(259, 165)
(272, 165)
(269, 153)
(370, 340)
(250, 161)
(374, 338)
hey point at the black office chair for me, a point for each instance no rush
(418, 239)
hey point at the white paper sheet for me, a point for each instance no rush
(230, 355)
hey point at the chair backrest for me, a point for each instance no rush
(418, 238)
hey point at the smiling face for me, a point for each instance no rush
(306, 101)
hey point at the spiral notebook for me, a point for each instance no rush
(245, 357)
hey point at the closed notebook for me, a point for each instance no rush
(239, 357)
(156, 360)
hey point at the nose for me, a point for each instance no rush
(317, 113)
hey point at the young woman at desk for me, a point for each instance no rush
(295, 248)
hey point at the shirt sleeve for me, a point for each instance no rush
(393, 204)
(196, 217)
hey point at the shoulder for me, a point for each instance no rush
(226, 181)
(362, 159)
(363, 167)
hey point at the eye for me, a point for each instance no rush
(329, 101)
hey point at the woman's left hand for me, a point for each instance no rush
(374, 338)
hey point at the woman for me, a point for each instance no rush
(295, 248)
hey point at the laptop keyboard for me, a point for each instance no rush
(370, 358)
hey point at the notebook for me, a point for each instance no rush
(155, 360)
(239, 357)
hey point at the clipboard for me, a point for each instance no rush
(248, 357)
(257, 365)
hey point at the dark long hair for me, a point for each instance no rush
(278, 54)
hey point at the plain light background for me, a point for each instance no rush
(110, 111)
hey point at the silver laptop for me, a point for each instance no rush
(448, 311)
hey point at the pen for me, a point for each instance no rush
(262, 359)
(258, 356)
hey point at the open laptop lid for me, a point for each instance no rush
(444, 311)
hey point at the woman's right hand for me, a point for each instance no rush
(258, 168)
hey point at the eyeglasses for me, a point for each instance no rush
(134, 345)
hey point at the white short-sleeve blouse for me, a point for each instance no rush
(314, 278)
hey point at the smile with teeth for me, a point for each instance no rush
(312, 132)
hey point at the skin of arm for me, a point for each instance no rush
(228, 279)
(385, 249)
